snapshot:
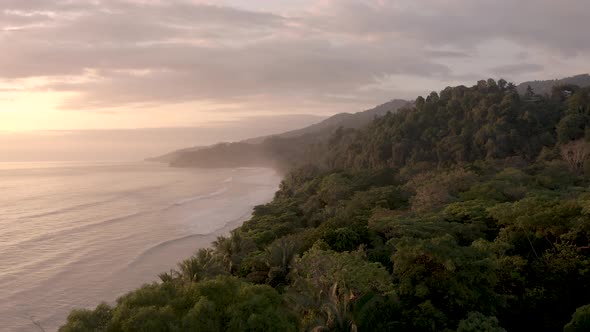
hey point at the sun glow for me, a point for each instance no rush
(25, 111)
(21, 110)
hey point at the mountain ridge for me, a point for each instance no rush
(263, 151)
(321, 129)
(346, 120)
(543, 87)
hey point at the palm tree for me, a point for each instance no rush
(168, 276)
(190, 269)
(230, 250)
(278, 259)
(202, 264)
(337, 311)
(225, 251)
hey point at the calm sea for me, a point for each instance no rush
(75, 234)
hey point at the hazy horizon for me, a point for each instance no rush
(121, 64)
(136, 144)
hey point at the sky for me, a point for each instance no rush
(67, 66)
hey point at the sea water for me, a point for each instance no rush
(75, 234)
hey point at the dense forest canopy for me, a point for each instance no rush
(467, 211)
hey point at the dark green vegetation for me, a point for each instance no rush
(468, 212)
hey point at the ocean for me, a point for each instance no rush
(75, 234)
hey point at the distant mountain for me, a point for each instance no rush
(169, 157)
(544, 87)
(219, 155)
(265, 149)
(345, 120)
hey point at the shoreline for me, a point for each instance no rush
(106, 261)
(188, 244)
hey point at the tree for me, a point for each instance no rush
(230, 250)
(572, 127)
(491, 83)
(326, 284)
(337, 311)
(420, 101)
(203, 316)
(203, 264)
(575, 154)
(444, 279)
(82, 320)
(580, 320)
(219, 304)
(278, 258)
(530, 93)
(482, 85)
(477, 322)
(259, 308)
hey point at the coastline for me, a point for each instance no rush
(109, 267)
(175, 250)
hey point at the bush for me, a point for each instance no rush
(580, 320)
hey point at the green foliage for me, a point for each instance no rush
(220, 304)
(82, 320)
(321, 269)
(462, 212)
(204, 264)
(580, 320)
(477, 322)
(447, 278)
(572, 127)
(327, 285)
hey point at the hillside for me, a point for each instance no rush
(171, 156)
(269, 150)
(468, 211)
(281, 150)
(544, 87)
(345, 120)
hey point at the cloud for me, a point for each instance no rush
(271, 69)
(518, 68)
(129, 53)
(15, 20)
(559, 26)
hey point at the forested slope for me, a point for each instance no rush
(469, 211)
(277, 151)
(345, 120)
(546, 86)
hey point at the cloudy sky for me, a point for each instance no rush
(104, 64)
